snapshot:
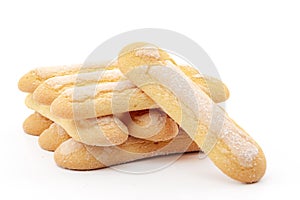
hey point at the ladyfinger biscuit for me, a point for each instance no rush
(30, 81)
(35, 124)
(154, 126)
(52, 137)
(102, 131)
(97, 99)
(100, 100)
(77, 156)
(49, 90)
(111, 128)
(231, 149)
(53, 87)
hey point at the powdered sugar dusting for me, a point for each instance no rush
(47, 72)
(148, 51)
(60, 130)
(236, 139)
(85, 78)
(198, 76)
(239, 143)
(91, 91)
(184, 89)
(69, 147)
(102, 130)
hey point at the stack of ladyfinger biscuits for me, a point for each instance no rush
(143, 105)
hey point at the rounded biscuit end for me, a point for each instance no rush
(73, 155)
(35, 124)
(52, 137)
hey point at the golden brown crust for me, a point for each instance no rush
(29, 82)
(52, 137)
(79, 159)
(234, 170)
(77, 156)
(35, 124)
(44, 94)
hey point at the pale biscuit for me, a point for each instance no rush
(227, 145)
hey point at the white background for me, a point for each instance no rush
(254, 44)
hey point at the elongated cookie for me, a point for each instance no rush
(35, 124)
(114, 97)
(49, 90)
(77, 156)
(100, 100)
(30, 81)
(227, 145)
